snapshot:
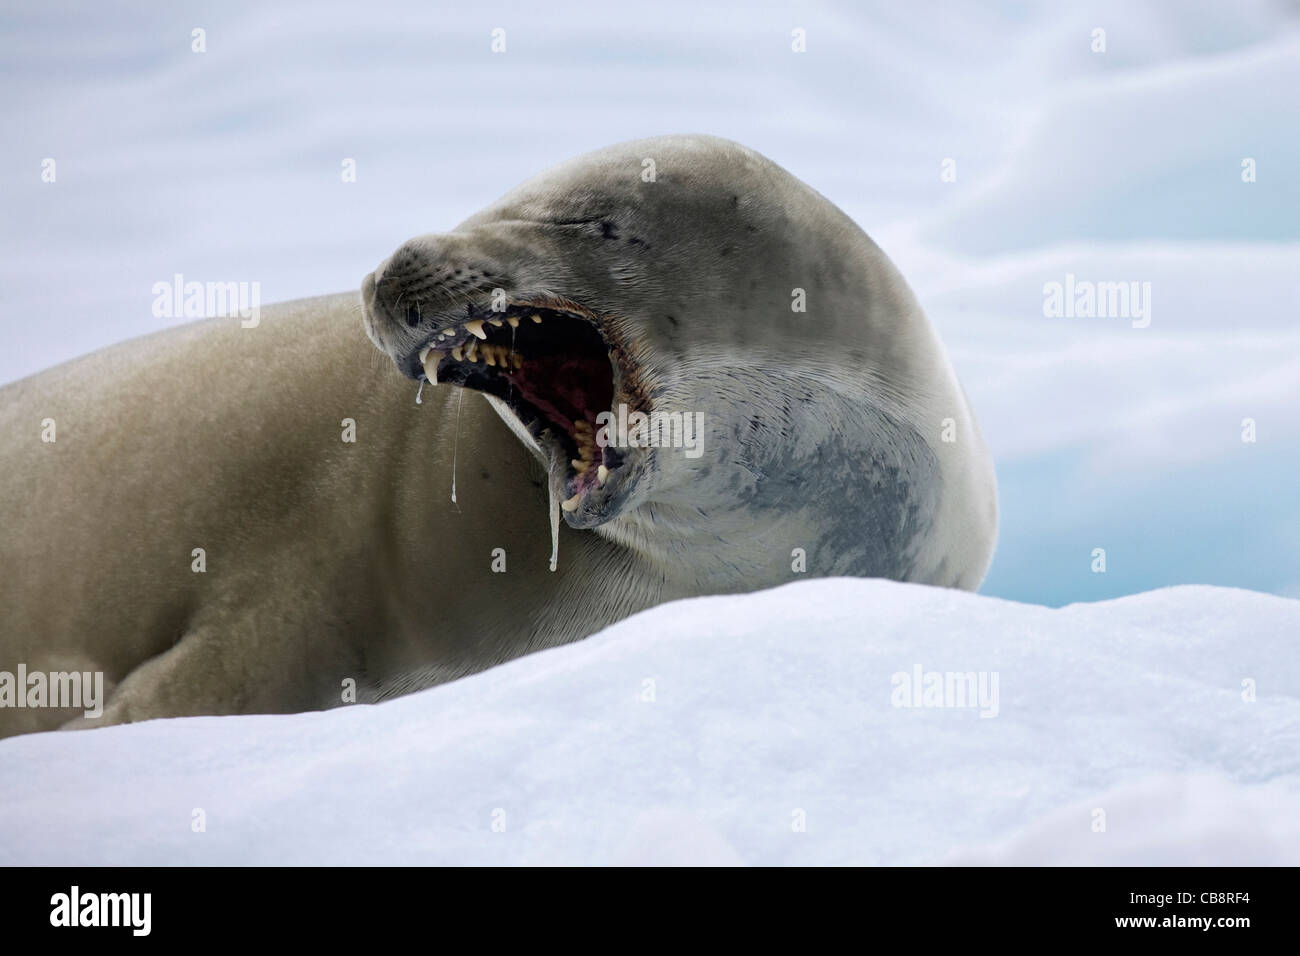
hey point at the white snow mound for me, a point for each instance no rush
(1162, 728)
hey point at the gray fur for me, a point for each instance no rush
(827, 422)
(330, 562)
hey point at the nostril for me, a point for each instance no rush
(412, 315)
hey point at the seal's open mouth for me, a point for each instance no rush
(552, 366)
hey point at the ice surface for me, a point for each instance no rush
(757, 729)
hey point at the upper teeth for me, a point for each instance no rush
(475, 328)
(429, 358)
(472, 351)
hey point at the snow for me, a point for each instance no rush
(704, 731)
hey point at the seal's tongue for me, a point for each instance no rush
(570, 390)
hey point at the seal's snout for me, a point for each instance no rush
(368, 292)
(368, 310)
(395, 297)
(422, 283)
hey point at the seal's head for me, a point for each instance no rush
(691, 280)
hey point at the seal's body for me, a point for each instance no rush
(834, 439)
(323, 560)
